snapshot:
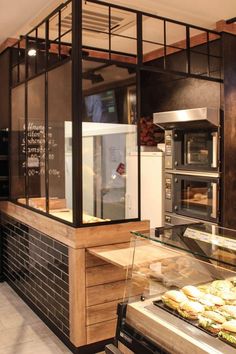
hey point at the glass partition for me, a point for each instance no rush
(83, 78)
(59, 140)
(109, 141)
(36, 144)
(18, 147)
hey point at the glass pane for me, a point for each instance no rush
(109, 143)
(215, 45)
(18, 148)
(195, 196)
(198, 41)
(216, 67)
(153, 30)
(60, 142)
(54, 50)
(153, 41)
(95, 26)
(21, 60)
(202, 239)
(36, 143)
(41, 48)
(124, 33)
(198, 63)
(197, 148)
(176, 59)
(175, 35)
(32, 53)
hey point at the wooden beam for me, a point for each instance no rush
(77, 297)
(196, 40)
(9, 42)
(222, 26)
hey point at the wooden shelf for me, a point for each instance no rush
(121, 255)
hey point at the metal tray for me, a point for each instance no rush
(225, 341)
(194, 323)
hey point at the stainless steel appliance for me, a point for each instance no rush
(194, 196)
(192, 139)
(191, 164)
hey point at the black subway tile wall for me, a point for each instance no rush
(38, 266)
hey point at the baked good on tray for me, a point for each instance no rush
(228, 311)
(210, 301)
(228, 331)
(173, 298)
(190, 309)
(192, 292)
(211, 321)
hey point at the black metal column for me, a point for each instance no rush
(77, 111)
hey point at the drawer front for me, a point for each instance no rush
(104, 274)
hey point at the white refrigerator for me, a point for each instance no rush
(152, 187)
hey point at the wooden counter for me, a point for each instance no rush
(95, 284)
(172, 333)
(89, 236)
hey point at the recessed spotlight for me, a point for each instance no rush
(32, 52)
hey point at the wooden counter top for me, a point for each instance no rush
(84, 237)
(121, 255)
(172, 333)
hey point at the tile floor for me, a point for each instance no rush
(21, 330)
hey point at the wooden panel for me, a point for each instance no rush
(53, 228)
(7, 43)
(92, 261)
(104, 274)
(77, 296)
(105, 293)
(74, 237)
(170, 332)
(101, 331)
(101, 294)
(102, 312)
(121, 255)
(108, 234)
(222, 26)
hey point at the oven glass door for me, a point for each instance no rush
(196, 197)
(196, 150)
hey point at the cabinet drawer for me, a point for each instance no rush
(104, 274)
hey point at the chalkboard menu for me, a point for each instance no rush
(33, 163)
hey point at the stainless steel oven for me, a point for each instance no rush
(191, 138)
(191, 149)
(194, 196)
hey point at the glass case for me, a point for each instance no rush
(76, 107)
(181, 291)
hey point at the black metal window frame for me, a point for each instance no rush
(76, 53)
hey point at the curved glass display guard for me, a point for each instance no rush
(173, 257)
(177, 277)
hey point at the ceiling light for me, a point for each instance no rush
(32, 52)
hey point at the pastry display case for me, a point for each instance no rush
(180, 292)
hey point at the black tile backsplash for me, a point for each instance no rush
(38, 266)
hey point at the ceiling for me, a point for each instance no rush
(18, 17)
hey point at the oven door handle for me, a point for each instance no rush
(214, 150)
(214, 187)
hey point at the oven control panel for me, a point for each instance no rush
(169, 149)
(169, 192)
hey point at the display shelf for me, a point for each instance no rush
(121, 255)
(203, 240)
(203, 260)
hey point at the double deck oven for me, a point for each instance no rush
(191, 164)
